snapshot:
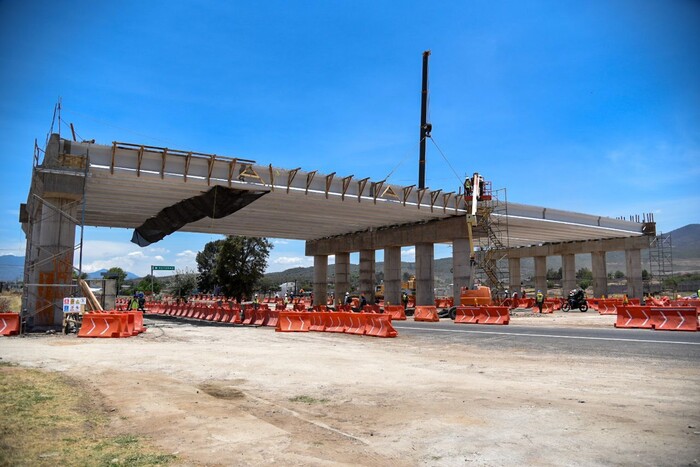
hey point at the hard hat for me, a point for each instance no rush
(347, 293)
(539, 291)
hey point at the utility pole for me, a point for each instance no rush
(425, 127)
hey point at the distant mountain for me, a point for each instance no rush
(11, 268)
(686, 242)
(98, 275)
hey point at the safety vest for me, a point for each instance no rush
(539, 298)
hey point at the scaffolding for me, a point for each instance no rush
(49, 273)
(660, 263)
(491, 254)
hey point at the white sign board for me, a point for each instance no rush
(74, 304)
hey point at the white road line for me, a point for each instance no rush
(551, 336)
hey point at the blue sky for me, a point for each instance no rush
(590, 106)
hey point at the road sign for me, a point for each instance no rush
(163, 268)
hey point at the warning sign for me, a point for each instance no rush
(74, 304)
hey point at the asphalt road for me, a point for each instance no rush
(627, 343)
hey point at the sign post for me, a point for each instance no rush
(158, 268)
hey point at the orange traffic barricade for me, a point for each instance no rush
(426, 313)
(631, 316)
(355, 323)
(674, 318)
(317, 321)
(9, 324)
(467, 315)
(379, 325)
(396, 312)
(293, 321)
(334, 322)
(101, 325)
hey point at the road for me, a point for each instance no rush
(581, 341)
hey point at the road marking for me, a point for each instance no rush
(553, 336)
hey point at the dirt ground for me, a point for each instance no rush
(247, 396)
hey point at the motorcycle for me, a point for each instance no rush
(576, 300)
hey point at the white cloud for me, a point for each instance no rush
(187, 254)
(295, 260)
(408, 254)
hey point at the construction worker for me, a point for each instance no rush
(625, 300)
(363, 301)
(348, 298)
(256, 302)
(404, 299)
(539, 300)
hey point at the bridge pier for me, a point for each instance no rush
(461, 270)
(392, 275)
(425, 294)
(568, 273)
(342, 276)
(367, 275)
(320, 279)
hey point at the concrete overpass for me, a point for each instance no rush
(125, 185)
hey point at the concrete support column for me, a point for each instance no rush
(320, 279)
(461, 269)
(514, 278)
(541, 273)
(600, 274)
(425, 295)
(392, 275)
(367, 275)
(342, 276)
(55, 260)
(633, 262)
(568, 274)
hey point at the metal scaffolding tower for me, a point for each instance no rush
(660, 263)
(491, 256)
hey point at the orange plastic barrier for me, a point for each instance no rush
(483, 315)
(426, 313)
(633, 316)
(127, 323)
(9, 324)
(379, 325)
(608, 307)
(317, 321)
(334, 322)
(101, 325)
(494, 315)
(273, 317)
(674, 318)
(526, 303)
(355, 323)
(260, 316)
(467, 314)
(293, 321)
(248, 315)
(396, 312)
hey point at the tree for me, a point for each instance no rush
(619, 275)
(645, 275)
(584, 273)
(144, 285)
(116, 273)
(206, 266)
(241, 264)
(83, 275)
(183, 283)
(553, 275)
(584, 283)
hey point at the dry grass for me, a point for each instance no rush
(10, 302)
(49, 420)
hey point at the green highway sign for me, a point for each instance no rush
(163, 268)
